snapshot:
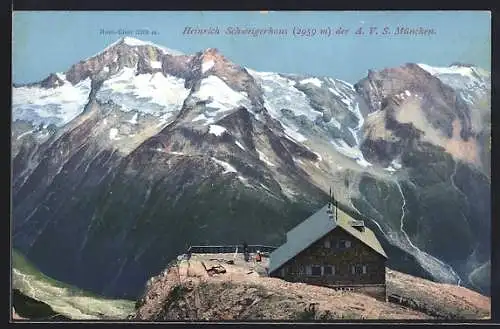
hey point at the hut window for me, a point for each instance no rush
(316, 270)
(329, 270)
(345, 244)
(327, 244)
(308, 270)
(358, 269)
(302, 270)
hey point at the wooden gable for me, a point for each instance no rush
(338, 258)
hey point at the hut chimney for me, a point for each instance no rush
(329, 211)
(336, 210)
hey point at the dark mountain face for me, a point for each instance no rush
(142, 151)
(172, 191)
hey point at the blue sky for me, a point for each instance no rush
(45, 42)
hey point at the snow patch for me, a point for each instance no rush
(227, 167)
(407, 92)
(24, 134)
(298, 161)
(163, 119)
(362, 162)
(345, 92)
(315, 81)
(276, 89)
(113, 133)
(347, 84)
(264, 159)
(462, 70)
(467, 98)
(203, 117)
(134, 119)
(335, 123)
(473, 83)
(354, 133)
(267, 89)
(199, 117)
(396, 164)
(335, 92)
(280, 93)
(151, 93)
(156, 64)
(343, 96)
(134, 42)
(239, 145)
(289, 192)
(216, 130)
(205, 66)
(219, 95)
(350, 152)
(346, 97)
(264, 187)
(244, 180)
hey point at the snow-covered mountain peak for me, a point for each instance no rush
(130, 73)
(144, 56)
(212, 52)
(58, 104)
(471, 82)
(209, 57)
(133, 43)
(467, 71)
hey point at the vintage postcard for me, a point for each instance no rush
(251, 166)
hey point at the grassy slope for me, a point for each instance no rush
(32, 309)
(63, 298)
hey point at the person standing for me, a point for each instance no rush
(245, 252)
(258, 258)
